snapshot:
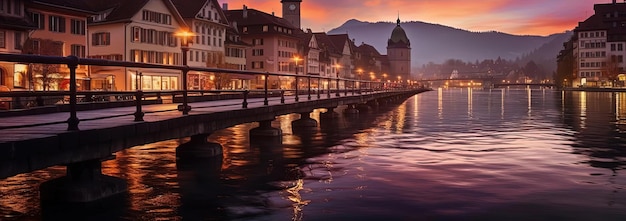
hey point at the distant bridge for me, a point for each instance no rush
(523, 84)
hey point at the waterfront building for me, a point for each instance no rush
(61, 31)
(599, 47)
(344, 47)
(273, 46)
(14, 29)
(235, 55)
(399, 53)
(208, 24)
(137, 31)
(368, 62)
(330, 57)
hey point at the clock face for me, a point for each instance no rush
(292, 7)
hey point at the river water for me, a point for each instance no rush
(447, 154)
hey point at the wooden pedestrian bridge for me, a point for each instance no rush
(81, 133)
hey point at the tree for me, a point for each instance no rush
(48, 74)
(611, 68)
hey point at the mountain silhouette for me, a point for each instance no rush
(437, 43)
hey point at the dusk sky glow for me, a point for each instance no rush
(528, 17)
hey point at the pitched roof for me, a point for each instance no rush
(16, 23)
(124, 10)
(73, 5)
(188, 9)
(368, 50)
(256, 17)
(339, 41)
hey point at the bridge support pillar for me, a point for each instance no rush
(265, 129)
(329, 114)
(83, 183)
(198, 148)
(265, 134)
(305, 121)
(363, 107)
(373, 103)
(351, 110)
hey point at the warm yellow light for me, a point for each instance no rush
(186, 37)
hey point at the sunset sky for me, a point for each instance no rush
(524, 17)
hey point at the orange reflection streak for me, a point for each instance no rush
(440, 103)
(401, 118)
(296, 198)
(583, 109)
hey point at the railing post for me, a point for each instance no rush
(245, 99)
(328, 92)
(282, 96)
(159, 98)
(17, 103)
(40, 101)
(337, 92)
(345, 87)
(318, 88)
(265, 101)
(309, 81)
(138, 111)
(297, 99)
(72, 122)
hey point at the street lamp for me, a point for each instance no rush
(185, 41)
(337, 66)
(384, 77)
(296, 59)
(360, 72)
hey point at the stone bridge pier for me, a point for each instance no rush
(83, 183)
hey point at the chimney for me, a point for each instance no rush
(245, 11)
(308, 30)
(225, 6)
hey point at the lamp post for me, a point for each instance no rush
(360, 72)
(185, 41)
(384, 77)
(337, 71)
(296, 59)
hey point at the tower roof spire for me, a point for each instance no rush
(398, 18)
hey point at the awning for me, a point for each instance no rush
(241, 76)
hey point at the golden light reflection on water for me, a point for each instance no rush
(583, 109)
(297, 202)
(440, 103)
(401, 117)
(529, 94)
(502, 96)
(470, 102)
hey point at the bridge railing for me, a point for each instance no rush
(34, 102)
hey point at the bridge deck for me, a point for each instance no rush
(43, 125)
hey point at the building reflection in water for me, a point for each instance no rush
(596, 117)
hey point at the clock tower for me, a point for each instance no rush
(291, 11)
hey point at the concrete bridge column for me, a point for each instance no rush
(362, 107)
(266, 135)
(83, 183)
(305, 121)
(265, 129)
(198, 147)
(330, 113)
(351, 110)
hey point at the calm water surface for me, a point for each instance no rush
(448, 154)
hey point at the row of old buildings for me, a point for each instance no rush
(594, 55)
(147, 31)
